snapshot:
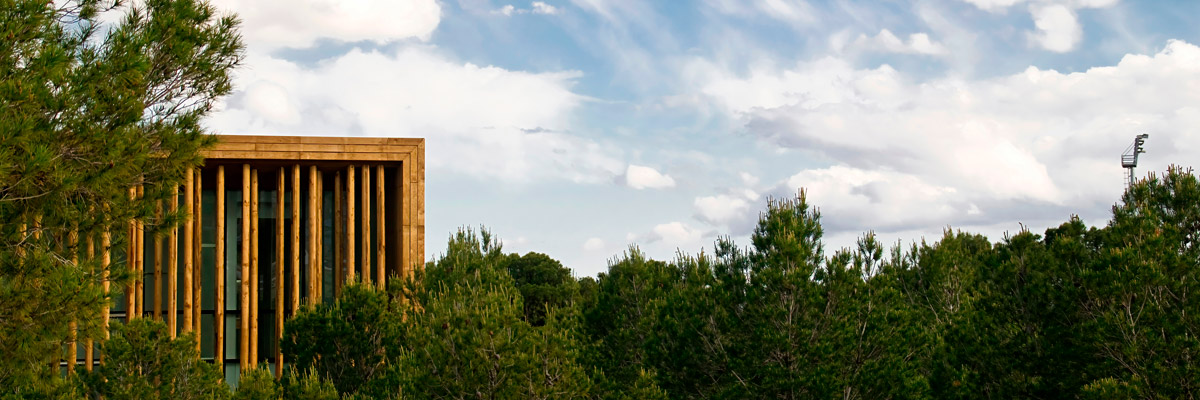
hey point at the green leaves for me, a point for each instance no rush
(85, 119)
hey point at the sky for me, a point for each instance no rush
(577, 128)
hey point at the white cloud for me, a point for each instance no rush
(885, 40)
(724, 209)
(677, 234)
(1034, 145)
(482, 121)
(643, 177)
(594, 244)
(994, 5)
(536, 7)
(1058, 27)
(271, 24)
(543, 8)
(791, 11)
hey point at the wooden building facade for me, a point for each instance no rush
(275, 222)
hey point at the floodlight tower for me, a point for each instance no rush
(1129, 159)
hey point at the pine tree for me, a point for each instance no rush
(90, 112)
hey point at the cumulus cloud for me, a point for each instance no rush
(1036, 144)
(271, 24)
(1057, 24)
(643, 177)
(730, 211)
(481, 121)
(885, 40)
(676, 234)
(1058, 28)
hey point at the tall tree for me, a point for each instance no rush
(91, 110)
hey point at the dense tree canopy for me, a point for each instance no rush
(89, 111)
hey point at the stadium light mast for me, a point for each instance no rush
(1129, 159)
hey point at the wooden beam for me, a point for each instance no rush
(172, 283)
(418, 186)
(313, 297)
(105, 262)
(219, 272)
(406, 218)
(254, 296)
(244, 286)
(197, 256)
(89, 347)
(338, 274)
(350, 224)
(366, 225)
(319, 267)
(295, 238)
(279, 257)
(131, 264)
(189, 202)
(381, 228)
(158, 264)
(140, 237)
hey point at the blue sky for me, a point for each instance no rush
(576, 128)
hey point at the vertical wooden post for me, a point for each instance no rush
(279, 257)
(366, 224)
(197, 256)
(350, 224)
(219, 272)
(381, 228)
(295, 238)
(189, 185)
(172, 283)
(406, 256)
(90, 348)
(105, 262)
(319, 267)
(254, 296)
(313, 296)
(131, 264)
(244, 286)
(338, 275)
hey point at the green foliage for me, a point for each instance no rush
(141, 361)
(257, 384)
(544, 284)
(471, 337)
(308, 385)
(88, 114)
(345, 341)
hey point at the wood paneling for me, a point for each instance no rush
(254, 295)
(295, 238)
(189, 202)
(279, 257)
(350, 224)
(219, 271)
(381, 228)
(244, 286)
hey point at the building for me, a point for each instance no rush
(300, 215)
